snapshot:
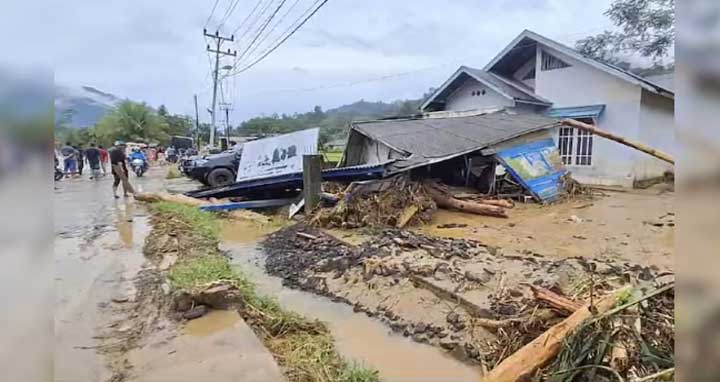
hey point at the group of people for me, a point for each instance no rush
(97, 158)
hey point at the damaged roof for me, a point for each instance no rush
(444, 137)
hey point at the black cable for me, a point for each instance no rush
(267, 53)
(262, 29)
(211, 13)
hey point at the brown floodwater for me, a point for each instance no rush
(213, 322)
(358, 337)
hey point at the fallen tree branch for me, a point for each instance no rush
(555, 300)
(445, 200)
(542, 349)
(306, 235)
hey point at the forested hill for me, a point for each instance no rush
(333, 123)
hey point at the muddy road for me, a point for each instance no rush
(98, 249)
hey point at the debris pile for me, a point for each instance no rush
(476, 302)
(394, 202)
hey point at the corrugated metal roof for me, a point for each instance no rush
(445, 137)
(589, 111)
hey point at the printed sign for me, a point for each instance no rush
(277, 155)
(537, 166)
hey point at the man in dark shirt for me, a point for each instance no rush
(119, 169)
(92, 154)
(80, 158)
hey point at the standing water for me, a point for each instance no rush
(357, 337)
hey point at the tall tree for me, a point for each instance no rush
(646, 27)
(133, 122)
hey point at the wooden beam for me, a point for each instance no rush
(622, 140)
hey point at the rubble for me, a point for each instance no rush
(472, 300)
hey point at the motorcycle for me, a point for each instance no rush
(138, 166)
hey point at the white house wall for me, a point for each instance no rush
(657, 129)
(462, 98)
(582, 85)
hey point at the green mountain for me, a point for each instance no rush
(333, 123)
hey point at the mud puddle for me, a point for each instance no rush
(398, 359)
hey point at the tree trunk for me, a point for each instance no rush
(638, 146)
(542, 349)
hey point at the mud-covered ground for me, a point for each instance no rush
(636, 226)
(472, 299)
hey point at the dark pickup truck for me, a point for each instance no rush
(212, 170)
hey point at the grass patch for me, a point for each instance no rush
(303, 348)
(203, 223)
(173, 173)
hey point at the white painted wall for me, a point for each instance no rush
(581, 85)
(462, 98)
(657, 129)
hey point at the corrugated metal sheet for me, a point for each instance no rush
(445, 137)
(537, 166)
(590, 111)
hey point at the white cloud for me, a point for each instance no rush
(154, 51)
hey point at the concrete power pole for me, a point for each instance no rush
(197, 124)
(216, 73)
(227, 108)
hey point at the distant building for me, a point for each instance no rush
(536, 74)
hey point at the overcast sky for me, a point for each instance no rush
(154, 51)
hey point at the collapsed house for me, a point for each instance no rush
(539, 75)
(464, 149)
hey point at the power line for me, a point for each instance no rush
(257, 5)
(251, 26)
(272, 49)
(211, 14)
(262, 29)
(228, 12)
(272, 29)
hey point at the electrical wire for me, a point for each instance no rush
(211, 13)
(228, 12)
(262, 29)
(272, 29)
(245, 20)
(272, 49)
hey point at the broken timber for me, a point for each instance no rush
(542, 349)
(638, 146)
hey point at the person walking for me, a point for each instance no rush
(92, 155)
(80, 159)
(119, 169)
(103, 159)
(70, 159)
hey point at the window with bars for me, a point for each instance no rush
(575, 146)
(550, 62)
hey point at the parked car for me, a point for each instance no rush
(214, 170)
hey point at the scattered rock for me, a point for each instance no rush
(448, 343)
(120, 299)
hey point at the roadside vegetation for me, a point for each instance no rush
(303, 348)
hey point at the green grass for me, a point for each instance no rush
(355, 372)
(203, 223)
(303, 347)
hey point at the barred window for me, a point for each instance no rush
(550, 62)
(575, 146)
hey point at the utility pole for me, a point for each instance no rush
(197, 123)
(227, 107)
(216, 73)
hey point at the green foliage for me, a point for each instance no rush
(204, 223)
(200, 270)
(132, 122)
(646, 26)
(333, 123)
(355, 372)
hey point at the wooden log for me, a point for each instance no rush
(555, 300)
(542, 349)
(306, 235)
(153, 197)
(445, 201)
(504, 203)
(622, 140)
